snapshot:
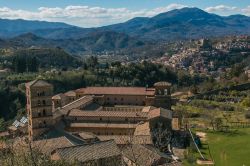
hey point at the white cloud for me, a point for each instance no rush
(221, 8)
(87, 16)
(84, 15)
(246, 10)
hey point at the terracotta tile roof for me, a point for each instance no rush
(102, 125)
(127, 139)
(59, 96)
(37, 83)
(144, 155)
(87, 135)
(160, 112)
(116, 91)
(125, 114)
(89, 152)
(4, 134)
(85, 100)
(70, 93)
(46, 146)
(163, 83)
(147, 109)
(143, 129)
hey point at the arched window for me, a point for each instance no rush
(165, 91)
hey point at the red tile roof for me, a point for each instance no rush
(85, 100)
(46, 146)
(86, 135)
(127, 139)
(160, 112)
(125, 114)
(58, 96)
(145, 155)
(102, 125)
(89, 152)
(116, 91)
(163, 83)
(37, 83)
(70, 93)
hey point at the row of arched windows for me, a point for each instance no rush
(41, 93)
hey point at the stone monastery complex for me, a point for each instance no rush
(96, 125)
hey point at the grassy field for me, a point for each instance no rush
(228, 149)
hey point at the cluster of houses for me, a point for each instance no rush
(193, 59)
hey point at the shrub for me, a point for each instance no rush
(247, 115)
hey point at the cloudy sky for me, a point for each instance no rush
(93, 13)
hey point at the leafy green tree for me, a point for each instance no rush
(2, 124)
(246, 102)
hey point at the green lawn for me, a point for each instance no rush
(230, 149)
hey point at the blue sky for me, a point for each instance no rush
(92, 13)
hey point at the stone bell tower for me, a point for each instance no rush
(162, 95)
(39, 107)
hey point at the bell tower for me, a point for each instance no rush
(162, 95)
(39, 107)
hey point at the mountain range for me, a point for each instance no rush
(179, 24)
(93, 42)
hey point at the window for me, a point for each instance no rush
(100, 119)
(121, 99)
(44, 112)
(44, 102)
(108, 98)
(39, 114)
(115, 98)
(126, 119)
(38, 102)
(44, 123)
